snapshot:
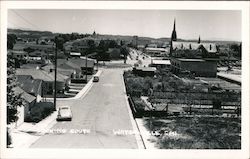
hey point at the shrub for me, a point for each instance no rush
(9, 139)
(139, 104)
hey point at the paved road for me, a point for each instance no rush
(101, 111)
(136, 53)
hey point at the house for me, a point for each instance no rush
(45, 48)
(144, 71)
(86, 66)
(61, 69)
(37, 56)
(31, 86)
(141, 47)
(197, 67)
(19, 54)
(24, 110)
(48, 79)
(152, 46)
(75, 68)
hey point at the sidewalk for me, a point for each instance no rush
(148, 138)
(27, 133)
(81, 93)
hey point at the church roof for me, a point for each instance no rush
(179, 45)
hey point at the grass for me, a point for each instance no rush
(197, 133)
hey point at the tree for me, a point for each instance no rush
(13, 100)
(59, 42)
(29, 50)
(236, 50)
(102, 47)
(91, 45)
(112, 44)
(11, 40)
(124, 52)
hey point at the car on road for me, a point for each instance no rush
(64, 113)
(95, 79)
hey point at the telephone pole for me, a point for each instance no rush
(86, 70)
(55, 91)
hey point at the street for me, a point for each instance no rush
(96, 116)
(137, 56)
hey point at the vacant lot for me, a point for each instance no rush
(196, 132)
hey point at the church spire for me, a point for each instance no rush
(199, 40)
(174, 35)
(174, 24)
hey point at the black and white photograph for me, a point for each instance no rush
(145, 79)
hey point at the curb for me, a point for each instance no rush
(138, 137)
(81, 93)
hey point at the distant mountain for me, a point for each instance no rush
(22, 33)
(30, 33)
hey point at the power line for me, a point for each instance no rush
(25, 20)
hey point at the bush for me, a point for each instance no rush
(139, 104)
(9, 139)
(40, 111)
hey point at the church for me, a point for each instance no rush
(203, 49)
(196, 58)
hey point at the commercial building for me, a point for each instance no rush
(144, 71)
(197, 67)
(196, 58)
(157, 51)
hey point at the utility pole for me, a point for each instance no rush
(86, 70)
(55, 73)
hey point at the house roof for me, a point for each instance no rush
(161, 62)
(26, 96)
(191, 60)
(41, 74)
(61, 69)
(80, 62)
(18, 52)
(75, 53)
(29, 85)
(19, 46)
(146, 68)
(210, 47)
(37, 53)
(156, 49)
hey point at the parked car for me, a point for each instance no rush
(64, 113)
(95, 79)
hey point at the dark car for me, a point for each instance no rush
(95, 79)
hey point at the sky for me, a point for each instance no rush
(190, 24)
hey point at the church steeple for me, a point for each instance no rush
(199, 40)
(174, 35)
